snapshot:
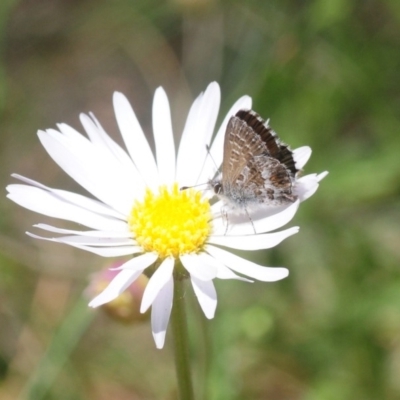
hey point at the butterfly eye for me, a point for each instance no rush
(218, 188)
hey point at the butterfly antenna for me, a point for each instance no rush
(190, 187)
(212, 159)
(217, 169)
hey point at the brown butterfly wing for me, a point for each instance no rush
(275, 147)
(240, 146)
(256, 166)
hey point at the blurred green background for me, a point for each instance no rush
(327, 74)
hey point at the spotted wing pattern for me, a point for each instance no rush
(257, 168)
(275, 147)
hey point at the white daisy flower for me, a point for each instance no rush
(140, 211)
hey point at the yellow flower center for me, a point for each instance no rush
(171, 222)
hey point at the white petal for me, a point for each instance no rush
(322, 175)
(139, 263)
(75, 199)
(102, 234)
(46, 203)
(210, 108)
(135, 140)
(126, 277)
(99, 137)
(97, 241)
(226, 273)
(73, 134)
(272, 218)
(307, 185)
(115, 287)
(222, 271)
(160, 313)
(246, 267)
(305, 188)
(301, 155)
(253, 242)
(114, 251)
(185, 142)
(206, 295)
(94, 169)
(163, 137)
(196, 135)
(91, 241)
(160, 277)
(110, 251)
(195, 267)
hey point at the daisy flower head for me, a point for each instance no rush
(138, 208)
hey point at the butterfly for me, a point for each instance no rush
(257, 169)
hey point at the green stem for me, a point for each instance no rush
(65, 340)
(181, 342)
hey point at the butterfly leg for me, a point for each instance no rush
(251, 220)
(225, 216)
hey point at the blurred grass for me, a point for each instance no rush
(327, 74)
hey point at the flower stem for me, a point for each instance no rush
(181, 342)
